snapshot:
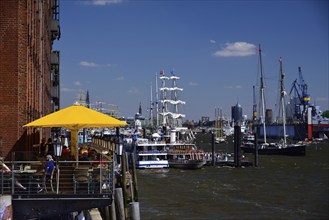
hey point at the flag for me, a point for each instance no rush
(161, 72)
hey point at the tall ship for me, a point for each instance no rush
(182, 152)
(281, 147)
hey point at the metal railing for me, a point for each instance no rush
(84, 178)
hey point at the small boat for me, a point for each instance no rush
(185, 156)
(248, 137)
(219, 140)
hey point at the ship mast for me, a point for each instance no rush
(157, 101)
(283, 93)
(170, 107)
(151, 107)
(164, 103)
(262, 93)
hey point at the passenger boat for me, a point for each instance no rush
(185, 156)
(150, 154)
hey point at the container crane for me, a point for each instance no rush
(301, 97)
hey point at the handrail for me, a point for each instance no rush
(23, 178)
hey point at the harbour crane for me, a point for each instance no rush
(301, 97)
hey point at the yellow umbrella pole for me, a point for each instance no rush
(74, 144)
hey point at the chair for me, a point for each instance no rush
(42, 180)
(100, 177)
(81, 175)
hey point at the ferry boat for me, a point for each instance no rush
(186, 156)
(150, 154)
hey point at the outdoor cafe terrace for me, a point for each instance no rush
(73, 185)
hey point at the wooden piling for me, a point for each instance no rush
(119, 204)
(112, 211)
(134, 176)
(134, 211)
(124, 183)
(237, 144)
(256, 146)
(213, 148)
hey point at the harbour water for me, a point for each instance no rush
(281, 187)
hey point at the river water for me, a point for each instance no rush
(281, 187)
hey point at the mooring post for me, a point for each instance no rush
(134, 176)
(119, 204)
(124, 182)
(256, 145)
(112, 211)
(237, 143)
(212, 148)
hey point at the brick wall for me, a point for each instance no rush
(25, 47)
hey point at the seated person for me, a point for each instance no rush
(65, 149)
(49, 166)
(66, 154)
(99, 162)
(84, 157)
(47, 169)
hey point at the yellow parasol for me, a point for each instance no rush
(75, 118)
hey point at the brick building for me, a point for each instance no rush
(29, 70)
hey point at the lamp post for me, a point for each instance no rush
(58, 153)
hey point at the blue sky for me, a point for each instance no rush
(115, 48)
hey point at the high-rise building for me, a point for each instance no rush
(29, 70)
(236, 112)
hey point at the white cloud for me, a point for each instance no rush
(212, 41)
(92, 64)
(88, 64)
(233, 87)
(104, 2)
(67, 90)
(237, 49)
(120, 78)
(77, 83)
(133, 90)
(193, 84)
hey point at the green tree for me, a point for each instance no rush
(325, 114)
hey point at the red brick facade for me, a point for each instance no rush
(25, 71)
